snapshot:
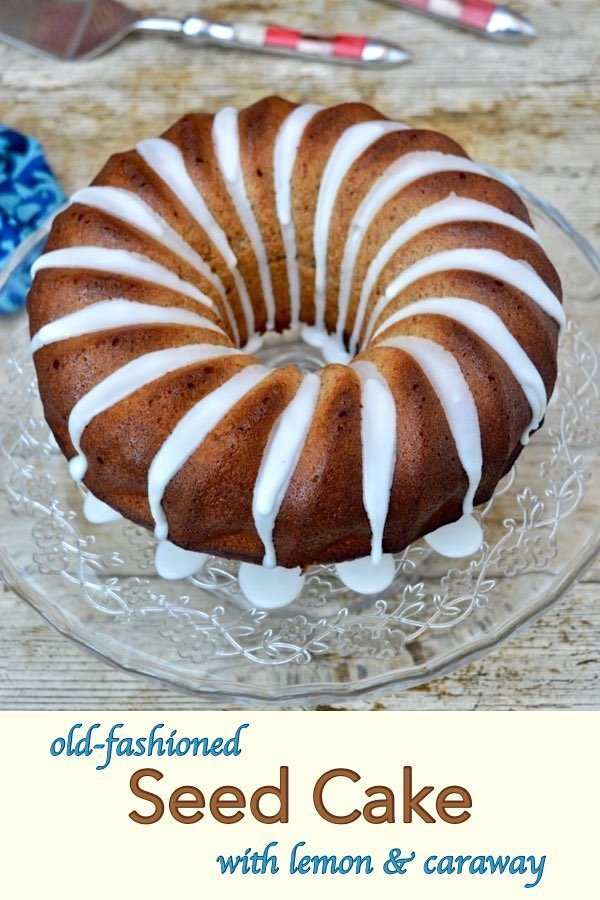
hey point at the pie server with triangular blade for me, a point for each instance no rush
(82, 29)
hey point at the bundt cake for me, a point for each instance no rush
(419, 271)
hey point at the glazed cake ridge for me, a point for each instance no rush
(158, 279)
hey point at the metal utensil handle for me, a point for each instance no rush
(277, 39)
(484, 17)
(473, 14)
(345, 49)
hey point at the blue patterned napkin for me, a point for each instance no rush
(29, 194)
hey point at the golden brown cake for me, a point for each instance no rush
(418, 272)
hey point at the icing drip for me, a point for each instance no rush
(350, 146)
(490, 328)
(284, 158)
(402, 172)
(365, 576)
(452, 209)
(456, 399)
(378, 434)
(108, 315)
(174, 562)
(270, 588)
(280, 459)
(189, 434)
(514, 272)
(459, 539)
(166, 161)
(119, 262)
(128, 207)
(97, 512)
(227, 148)
(126, 381)
(254, 344)
(331, 347)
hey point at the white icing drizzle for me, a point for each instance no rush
(350, 146)
(119, 262)
(280, 459)
(127, 380)
(514, 272)
(97, 512)
(173, 562)
(366, 576)
(452, 209)
(189, 434)
(378, 434)
(331, 347)
(114, 314)
(403, 171)
(487, 325)
(284, 158)
(128, 207)
(458, 539)
(254, 344)
(166, 161)
(226, 140)
(270, 588)
(456, 399)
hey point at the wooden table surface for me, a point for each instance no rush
(532, 110)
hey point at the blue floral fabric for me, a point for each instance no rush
(29, 194)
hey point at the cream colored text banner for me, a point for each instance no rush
(269, 805)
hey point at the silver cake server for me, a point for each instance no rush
(82, 29)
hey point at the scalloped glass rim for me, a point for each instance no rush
(568, 246)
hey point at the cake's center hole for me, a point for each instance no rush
(306, 347)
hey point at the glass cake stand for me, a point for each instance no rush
(98, 585)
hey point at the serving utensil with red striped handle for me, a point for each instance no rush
(480, 16)
(83, 29)
(348, 49)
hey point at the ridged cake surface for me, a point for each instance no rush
(390, 239)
